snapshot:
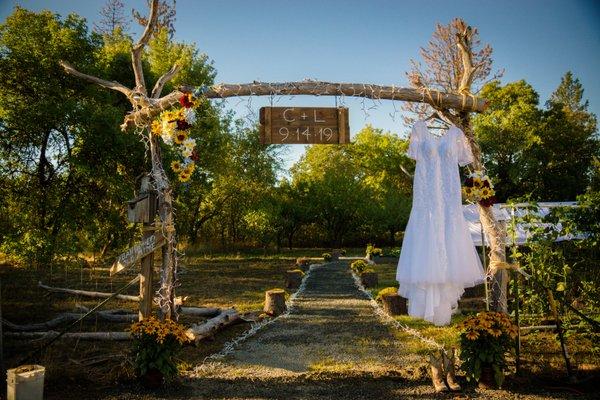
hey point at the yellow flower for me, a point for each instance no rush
(183, 177)
(176, 166)
(467, 191)
(485, 192)
(472, 335)
(495, 332)
(190, 168)
(180, 136)
(477, 182)
(156, 127)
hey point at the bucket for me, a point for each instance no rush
(25, 383)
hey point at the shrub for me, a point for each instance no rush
(327, 257)
(155, 344)
(484, 340)
(359, 266)
(386, 292)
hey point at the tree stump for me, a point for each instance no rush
(275, 302)
(369, 279)
(293, 278)
(394, 304)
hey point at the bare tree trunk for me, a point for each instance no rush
(166, 293)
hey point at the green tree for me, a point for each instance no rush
(385, 171)
(59, 141)
(506, 132)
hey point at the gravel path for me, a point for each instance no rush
(332, 346)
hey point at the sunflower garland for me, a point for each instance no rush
(479, 188)
(173, 126)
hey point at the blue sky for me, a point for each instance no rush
(372, 42)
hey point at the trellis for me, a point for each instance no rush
(455, 107)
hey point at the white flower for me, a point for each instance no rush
(187, 152)
(168, 139)
(189, 143)
(190, 116)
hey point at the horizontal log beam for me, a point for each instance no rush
(71, 335)
(209, 327)
(314, 88)
(87, 293)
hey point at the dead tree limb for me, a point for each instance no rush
(208, 328)
(86, 293)
(70, 335)
(163, 80)
(138, 48)
(69, 69)
(200, 311)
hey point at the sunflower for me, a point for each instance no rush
(180, 136)
(485, 192)
(176, 166)
(190, 168)
(183, 177)
(477, 182)
(468, 191)
(472, 335)
(156, 127)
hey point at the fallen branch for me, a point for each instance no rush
(87, 293)
(70, 335)
(108, 315)
(208, 328)
(200, 311)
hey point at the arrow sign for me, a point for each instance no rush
(131, 256)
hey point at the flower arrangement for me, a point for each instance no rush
(484, 339)
(373, 251)
(155, 343)
(478, 188)
(173, 126)
(359, 266)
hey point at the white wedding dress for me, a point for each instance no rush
(438, 258)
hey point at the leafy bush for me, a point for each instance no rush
(155, 344)
(386, 292)
(327, 257)
(394, 252)
(484, 341)
(359, 266)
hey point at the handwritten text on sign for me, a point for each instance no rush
(304, 125)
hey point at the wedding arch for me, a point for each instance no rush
(148, 104)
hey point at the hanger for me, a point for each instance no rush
(436, 115)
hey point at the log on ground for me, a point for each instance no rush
(208, 328)
(293, 278)
(369, 279)
(70, 335)
(394, 304)
(275, 302)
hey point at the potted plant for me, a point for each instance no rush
(155, 343)
(373, 251)
(327, 257)
(485, 339)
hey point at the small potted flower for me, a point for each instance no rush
(484, 341)
(155, 344)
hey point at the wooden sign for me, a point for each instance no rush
(147, 246)
(304, 125)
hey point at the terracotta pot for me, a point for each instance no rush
(486, 380)
(153, 379)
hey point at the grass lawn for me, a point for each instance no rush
(222, 281)
(540, 350)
